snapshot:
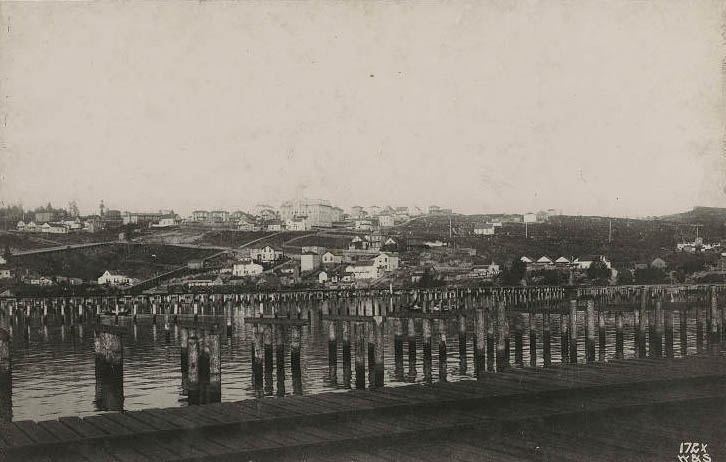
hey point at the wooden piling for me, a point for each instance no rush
(269, 352)
(668, 326)
(6, 375)
(642, 324)
(360, 355)
(658, 330)
(564, 338)
(332, 352)
(699, 328)
(184, 349)
(371, 342)
(573, 331)
(411, 332)
(426, 330)
(546, 339)
(398, 349)
(590, 331)
(518, 339)
(683, 315)
(214, 355)
(714, 339)
(532, 321)
(502, 338)
(108, 347)
(491, 340)
(193, 370)
(346, 355)
(602, 350)
(280, 358)
(295, 360)
(442, 351)
(462, 344)
(619, 335)
(379, 351)
(257, 355)
(480, 328)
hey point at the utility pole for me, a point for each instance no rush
(610, 231)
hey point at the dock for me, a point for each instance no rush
(639, 409)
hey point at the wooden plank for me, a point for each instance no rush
(37, 433)
(154, 449)
(132, 424)
(163, 414)
(278, 321)
(60, 431)
(153, 421)
(109, 426)
(82, 427)
(13, 436)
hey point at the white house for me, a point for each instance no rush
(266, 254)
(3, 261)
(363, 225)
(55, 228)
(530, 218)
(165, 223)
(297, 224)
(364, 269)
(246, 224)
(385, 221)
(323, 277)
(358, 243)
(526, 260)
(329, 258)
(5, 273)
(113, 278)
(246, 268)
(484, 230)
(309, 261)
(563, 261)
(274, 225)
(21, 225)
(486, 271)
(584, 263)
(386, 261)
(544, 260)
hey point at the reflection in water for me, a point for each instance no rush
(109, 372)
(6, 378)
(109, 386)
(56, 370)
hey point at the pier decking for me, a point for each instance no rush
(639, 409)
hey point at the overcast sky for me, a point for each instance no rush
(588, 107)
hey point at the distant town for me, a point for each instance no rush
(307, 243)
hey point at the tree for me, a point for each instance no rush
(625, 277)
(513, 275)
(598, 271)
(428, 280)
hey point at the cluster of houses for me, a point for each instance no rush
(327, 266)
(580, 263)
(59, 227)
(335, 271)
(698, 246)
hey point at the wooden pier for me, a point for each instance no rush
(620, 409)
(590, 394)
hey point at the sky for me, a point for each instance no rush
(611, 108)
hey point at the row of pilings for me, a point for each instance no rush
(357, 321)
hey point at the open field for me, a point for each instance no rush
(135, 260)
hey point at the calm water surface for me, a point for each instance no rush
(54, 371)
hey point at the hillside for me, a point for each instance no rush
(135, 260)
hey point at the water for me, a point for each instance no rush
(54, 367)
